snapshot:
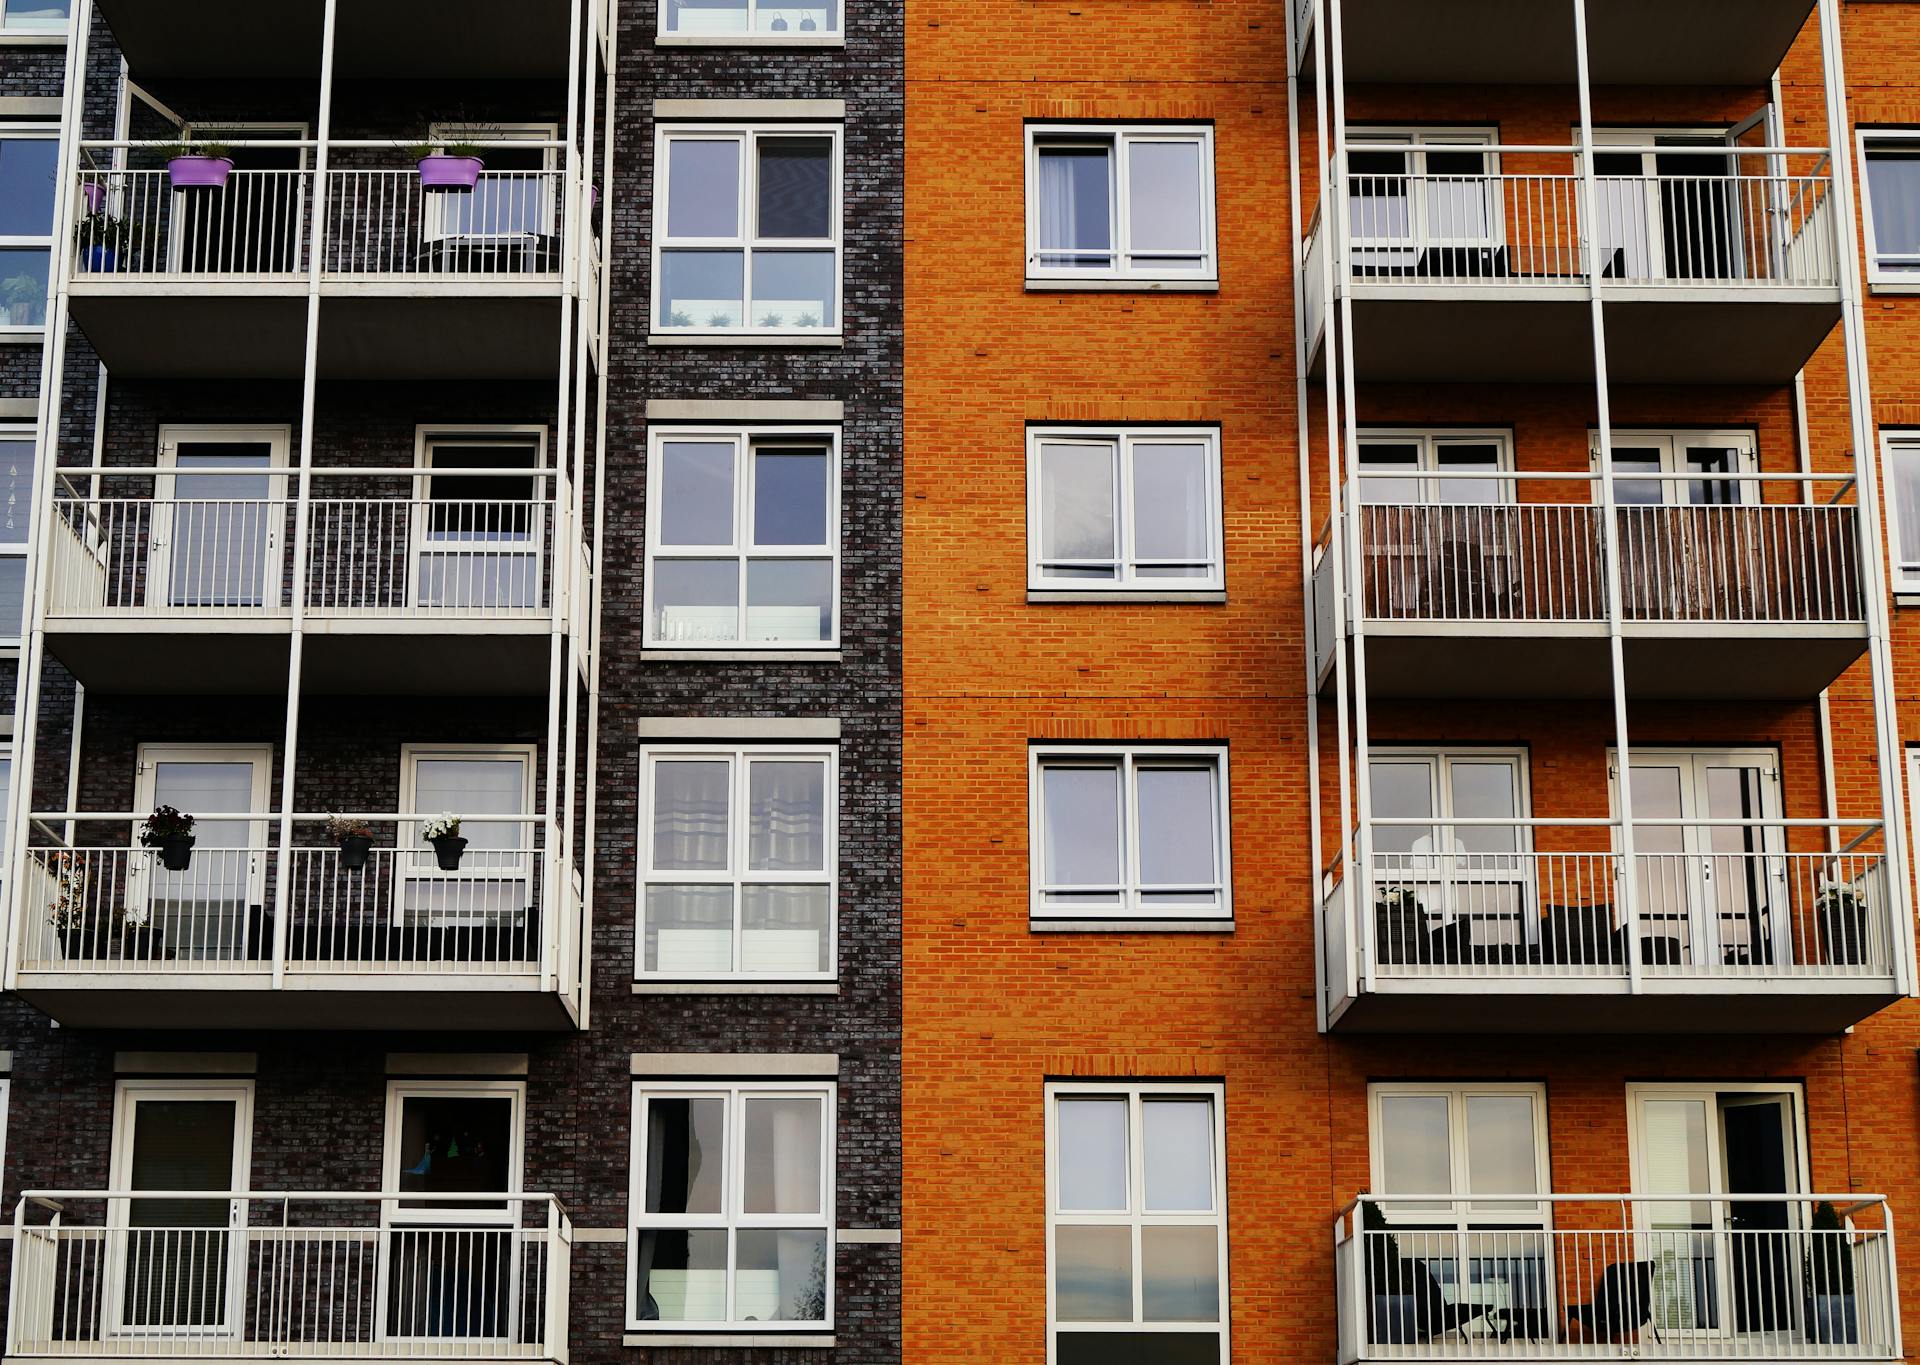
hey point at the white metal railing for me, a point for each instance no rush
(1488, 562)
(203, 556)
(135, 223)
(381, 223)
(1787, 562)
(422, 556)
(102, 906)
(249, 1274)
(1536, 899)
(1679, 1276)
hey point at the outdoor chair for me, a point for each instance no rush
(1620, 1306)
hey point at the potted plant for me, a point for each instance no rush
(198, 165)
(172, 833)
(138, 940)
(354, 838)
(1843, 923)
(1400, 924)
(453, 162)
(67, 911)
(1390, 1280)
(444, 834)
(1830, 1312)
(26, 296)
(104, 241)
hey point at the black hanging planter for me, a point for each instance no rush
(176, 852)
(354, 849)
(448, 848)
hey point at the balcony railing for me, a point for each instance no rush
(1539, 900)
(1677, 1276)
(257, 1275)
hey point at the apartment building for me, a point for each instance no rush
(1432, 875)
(474, 414)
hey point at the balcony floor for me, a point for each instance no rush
(1670, 1005)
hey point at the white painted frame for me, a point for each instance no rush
(159, 568)
(56, 261)
(738, 757)
(732, 1219)
(1429, 442)
(1416, 141)
(1120, 441)
(1900, 457)
(750, 36)
(742, 549)
(1128, 759)
(1439, 762)
(22, 548)
(1460, 1199)
(1880, 276)
(141, 869)
(746, 239)
(1116, 138)
(421, 867)
(420, 542)
(1673, 443)
(1135, 1216)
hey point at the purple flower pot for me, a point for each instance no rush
(199, 172)
(94, 194)
(461, 173)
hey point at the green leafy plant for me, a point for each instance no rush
(22, 288)
(207, 148)
(719, 320)
(679, 318)
(1829, 1266)
(458, 139)
(67, 909)
(807, 320)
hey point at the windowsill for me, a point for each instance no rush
(1050, 596)
(1129, 926)
(34, 336)
(723, 1339)
(800, 40)
(736, 988)
(1108, 285)
(763, 340)
(1911, 286)
(739, 656)
(1906, 599)
(29, 38)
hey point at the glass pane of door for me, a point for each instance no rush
(1679, 1156)
(217, 541)
(1738, 872)
(200, 913)
(1663, 874)
(451, 1277)
(1622, 236)
(175, 1272)
(493, 886)
(1488, 877)
(1699, 212)
(483, 531)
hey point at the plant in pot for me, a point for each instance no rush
(1400, 924)
(453, 161)
(67, 911)
(1843, 923)
(172, 833)
(139, 942)
(198, 165)
(1390, 1280)
(355, 839)
(26, 297)
(105, 241)
(1830, 1313)
(448, 847)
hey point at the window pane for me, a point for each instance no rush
(1178, 1136)
(1401, 791)
(782, 1276)
(38, 13)
(686, 1153)
(16, 490)
(819, 16)
(690, 816)
(1904, 463)
(1170, 508)
(794, 289)
(1180, 1274)
(1414, 1155)
(703, 187)
(1484, 791)
(1075, 207)
(706, 16)
(1081, 826)
(1500, 1155)
(696, 493)
(474, 786)
(1077, 508)
(696, 600)
(1164, 199)
(784, 929)
(790, 489)
(1092, 1160)
(681, 1275)
(1177, 826)
(790, 599)
(454, 1143)
(796, 187)
(1387, 457)
(1092, 1274)
(689, 929)
(702, 288)
(782, 1172)
(786, 816)
(23, 286)
(1637, 461)
(27, 166)
(1479, 457)
(1893, 183)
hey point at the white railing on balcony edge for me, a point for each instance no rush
(1486, 562)
(1784, 562)
(382, 223)
(1678, 1276)
(135, 223)
(240, 1275)
(205, 556)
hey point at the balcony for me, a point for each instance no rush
(1731, 928)
(1486, 42)
(1672, 1277)
(253, 935)
(399, 593)
(1729, 600)
(213, 283)
(258, 1275)
(1730, 276)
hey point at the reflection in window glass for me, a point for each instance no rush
(1125, 510)
(1893, 188)
(36, 14)
(766, 19)
(1126, 203)
(23, 286)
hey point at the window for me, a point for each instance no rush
(17, 453)
(29, 168)
(1891, 189)
(515, 197)
(1136, 1223)
(1430, 210)
(1453, 1141)
(1127, 509)
(448, 1137)
(732, 1199)
(1120, 203)
(743, 539)
(35, 16)
(738, 862)
(1677, 468)
(751, 20)
(493, 887)
(1902, 465)
(480, 545)
(1425, 466)
(747, 230)
(1138, 833)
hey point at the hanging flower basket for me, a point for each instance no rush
(354, 840)
(448, 847)
(172, 833)
(444, 171)
(199, 172)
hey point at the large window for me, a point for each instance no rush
(1902, 465)
(29, 162)
(1133, 833)
(1136, 1223)
(758, 21)
(1891, 159)
(1432, 209)
(1415, 466)
(16, 526)
(1128, 509)
(1452, 1141)
(743, 539)
(732, 1206)
(747, 230)
(737, 862)
(1679, 468)
(35, 16)
(1105, 202)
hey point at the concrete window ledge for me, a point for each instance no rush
(735, 988)
(1131, 926)
(755, 343)
(739, 656)
(1037, 597)
(1123, 286)
(1906, 599)
(745, 40)
(724, 1339)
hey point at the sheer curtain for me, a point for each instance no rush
(1073, 204)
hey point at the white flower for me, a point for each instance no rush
(447, 825)
(134, 916)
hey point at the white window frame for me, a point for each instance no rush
(742, 549)
(754, 37)
(1129, 758)
(21, 549)
(1883, 279)
(413, 860)
(1121, 440)
(1672, 443)
(421, 542)
(747, 241)
(1898, 448)
(1428, 474)
(278, 438)
(1439, 869)
(736, 875)
(731, 1218)
(1419, 140)
(1135, 1216)
(1118, 137)
(1461, 1195)
(42, 132)
(394, 1213)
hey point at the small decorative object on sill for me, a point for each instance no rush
(806, 23)
(172, 833)
(448, 846)
(26, 296)
(779, 24)
(354, 838)
(198, 165)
